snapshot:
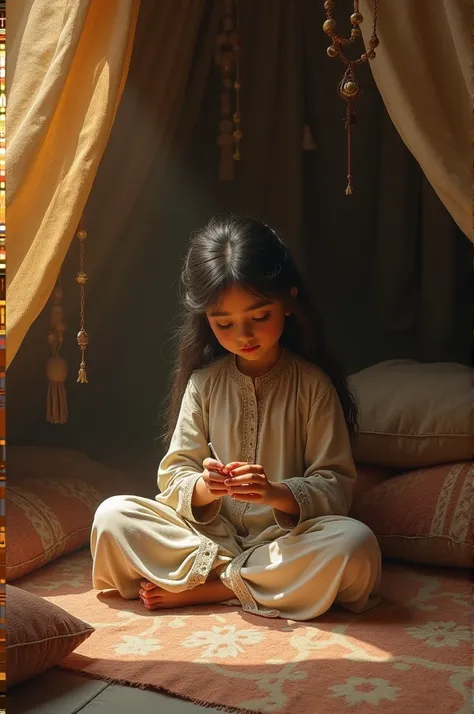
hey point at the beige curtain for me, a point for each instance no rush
(67, 64)
(423, 72)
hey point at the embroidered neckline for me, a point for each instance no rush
(266, 379)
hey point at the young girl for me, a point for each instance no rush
(262, 520)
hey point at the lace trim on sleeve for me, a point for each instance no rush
(203, 514)
(299, 489)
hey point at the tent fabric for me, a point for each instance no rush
(67, 65)
(422, 71)
(387, 267)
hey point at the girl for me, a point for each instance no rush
(265, 526)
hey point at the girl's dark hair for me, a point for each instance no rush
(244, 251)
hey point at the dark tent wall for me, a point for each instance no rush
(388, 269)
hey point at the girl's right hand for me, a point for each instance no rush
(213, 477)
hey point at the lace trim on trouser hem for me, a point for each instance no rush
(239, 587)
(203, 562)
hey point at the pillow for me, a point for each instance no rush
(39, 634)
(414, 414)
(423, 516)
(367, 478)
(52, 496)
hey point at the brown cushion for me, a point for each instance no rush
(368, 477)
(422, 516)
(51, 500)
(414, 414)
(39, 634)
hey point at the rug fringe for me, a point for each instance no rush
(152, 687)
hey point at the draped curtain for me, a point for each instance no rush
(67, 65)
(423, 72)
(388, 268)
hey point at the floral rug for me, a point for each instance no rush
(412, 653)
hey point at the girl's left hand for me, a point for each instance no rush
(247, 482)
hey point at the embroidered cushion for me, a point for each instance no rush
(423, 516)
(52, 496)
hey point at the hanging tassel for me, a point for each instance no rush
(56, 402)
(82, 375)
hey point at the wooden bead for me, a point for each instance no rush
(82, 234)
(356, 18)
(81, 278)
(329, 4)
(58, 294)
(371, 54)
(355, 33)
(225, 140)
(56, 315)
(329, 26)
(238, 134)
(56, 369)
(350, 88)
(331, 51)
(82, 338)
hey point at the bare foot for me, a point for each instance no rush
(154, 597)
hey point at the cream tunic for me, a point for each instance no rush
(290, 421)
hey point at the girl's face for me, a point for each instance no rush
(248, 326)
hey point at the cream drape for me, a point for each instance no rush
(422, 71)
(67, 65)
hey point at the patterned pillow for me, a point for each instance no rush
(368, 477)
(39, 634)
(422, 516)
(52, 496)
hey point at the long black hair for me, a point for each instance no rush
(244, 251)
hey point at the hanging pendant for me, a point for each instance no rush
(349, 90)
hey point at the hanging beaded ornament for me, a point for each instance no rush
(349, 89)
(228, 60)
(81, 280)
(56, 366)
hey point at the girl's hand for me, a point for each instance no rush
(247, 482)
(213, 477)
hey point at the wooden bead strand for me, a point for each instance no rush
(349, 89)
(228, 50)
(82, 336)
(56, 366)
